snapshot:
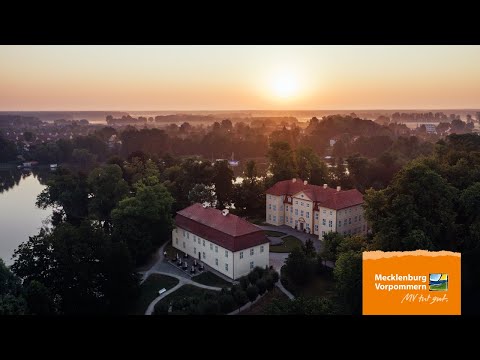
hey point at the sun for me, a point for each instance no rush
(285, 85)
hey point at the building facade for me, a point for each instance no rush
(315, 209)
(223, 241)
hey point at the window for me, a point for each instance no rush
(308, 215)
(301, 203)
(176, 231)
(281, 207)
(345, 222)
(316, 227)
(291, 220)
(316, 216)
(296, 202)
(281, 218)
(203, 254)
(184, 244)
(291, 209)
(216, 262)
(355, 219)
(216, 248)
(251, 252)
(194, 250)
(296, 211)
(324, 222)
(211, 246)
(241, 254)
(226, 267)
(203, 242)
(251, 264)
(194, 239)
(226, 253)
(296, 222)
(324, 211)
(176, 241)
(308, 205)
(274, 218)
(261, 248)
(339, 223)
(269, 217)
(349, 221)
(323, 233)
(270, 206)
(183, 233)
(329, 223)
(286, 218)
(286, 207)
(302, 197)
(188, 235)
(301, 212)
(331, 213)
(274, 207)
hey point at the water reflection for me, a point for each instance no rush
(20, 218)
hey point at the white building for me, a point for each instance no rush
(315, 209)
(223, 241)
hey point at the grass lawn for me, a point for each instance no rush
(321, 285)
(289, 243)
(149, 291)
(185, 291)
(259, 306)
(274, 233)
(210, 279)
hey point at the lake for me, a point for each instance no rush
(19, 217)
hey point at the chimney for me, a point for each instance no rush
(225, 212)
(293, 180)
(325, 186)
(339, 188)
(305, 182)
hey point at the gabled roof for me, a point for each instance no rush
(230, 232)
(326, 197)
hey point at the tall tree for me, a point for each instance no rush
(223, 180)
(348, 278)
(282, 162)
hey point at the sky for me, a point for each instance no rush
(36, 78)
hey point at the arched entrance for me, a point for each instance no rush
(301, 224)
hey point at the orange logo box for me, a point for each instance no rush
(411, 283)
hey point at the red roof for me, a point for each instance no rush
(326, 197)
(230, 232)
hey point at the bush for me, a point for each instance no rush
(226, 303)
(262, 286)
(240, 297)
(269, 282)
(244, 282)
(319, 266)
(260, 271)
(252, 292)
(161, 309)
(253, 277)
(274, 276)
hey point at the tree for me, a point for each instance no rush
(331, 241)
(282, 163)
(28, 136)
(201, 193)
(143, 221)
(302, 306)
(39, 299)
(83, 157)
(252, 292)
(270, 284)
(223, 180)
(298, 267)
(240, 297)
(8, 150)
(309, 249)
(67, 192)
(226, 303)
(107, 189)
(355, 243)
(261, 286)
(73, 263)
(348, 278)
(310, 167)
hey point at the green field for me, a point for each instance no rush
(274, 233)
(149, 291)
(440, 287)
(184, 291)
(289, 243)
(210, 279)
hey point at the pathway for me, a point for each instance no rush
(181, 281)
